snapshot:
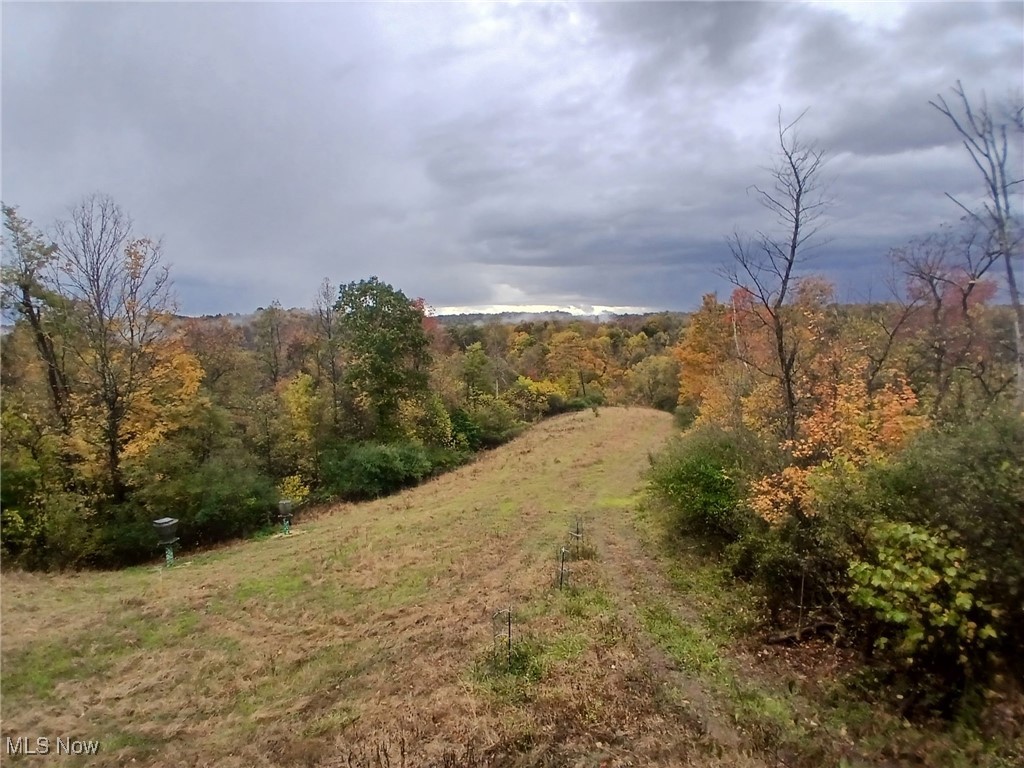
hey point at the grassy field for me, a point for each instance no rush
(366, 637)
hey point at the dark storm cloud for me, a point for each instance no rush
(677, 42)
(592, 154)
(879, 83)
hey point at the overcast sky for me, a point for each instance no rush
(593, 154)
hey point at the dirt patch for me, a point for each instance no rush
(634, 573)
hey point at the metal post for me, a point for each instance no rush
(506, 629)
(577, 537)
(800, 620)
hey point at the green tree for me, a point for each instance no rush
(654, 382)
(385, 349)
(477, 370)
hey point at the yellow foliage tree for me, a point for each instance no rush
(848, 422)
(704, 352)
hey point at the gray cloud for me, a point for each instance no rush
(480, 154)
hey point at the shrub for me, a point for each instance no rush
(221, 498)
(969, 481)
(294, 488)
(446, 459)
(370, 470)
(592, 400)
(920, 591)
(70, 536)
(699, 475)
(934, 552)
(685, 414)
(465, 431)
(495, 419)
(966, 484)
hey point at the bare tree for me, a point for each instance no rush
(766, 264)
(889, 322)
(120, 297)
(269, 347)
(944, 274)
(328, 343)
(985, 139)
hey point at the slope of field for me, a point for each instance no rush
(365, 637)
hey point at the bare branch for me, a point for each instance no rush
(987, 144)
(767, 267)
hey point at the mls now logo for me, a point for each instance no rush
(24, 745)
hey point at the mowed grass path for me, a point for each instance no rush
(366, 630)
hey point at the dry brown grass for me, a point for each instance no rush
(362, 635)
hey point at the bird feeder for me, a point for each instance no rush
(284, 511)
(167, 529)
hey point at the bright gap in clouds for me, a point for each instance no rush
(881, 14)
(581, 311)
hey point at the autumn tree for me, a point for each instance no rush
(570, 361)
(766, 265)
(99, 390)
(654, 382)
(987, 139)
(704, 350)
(119, 294)
(229, 369)
(26, 275)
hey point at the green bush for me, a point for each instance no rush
(685, 414)
(931, 545)
(918, 593)
(495, 419)
(700, 477)
(446, 459)
(221, 498)
(69, 532)
(767, 557)
(592, 400)
(969, 481)
(371, 470)
(465, 431)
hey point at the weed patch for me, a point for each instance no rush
(694, 652)
(511, 672)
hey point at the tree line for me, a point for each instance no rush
(117, 411)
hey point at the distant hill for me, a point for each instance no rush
(512, 318)
(477, 318)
